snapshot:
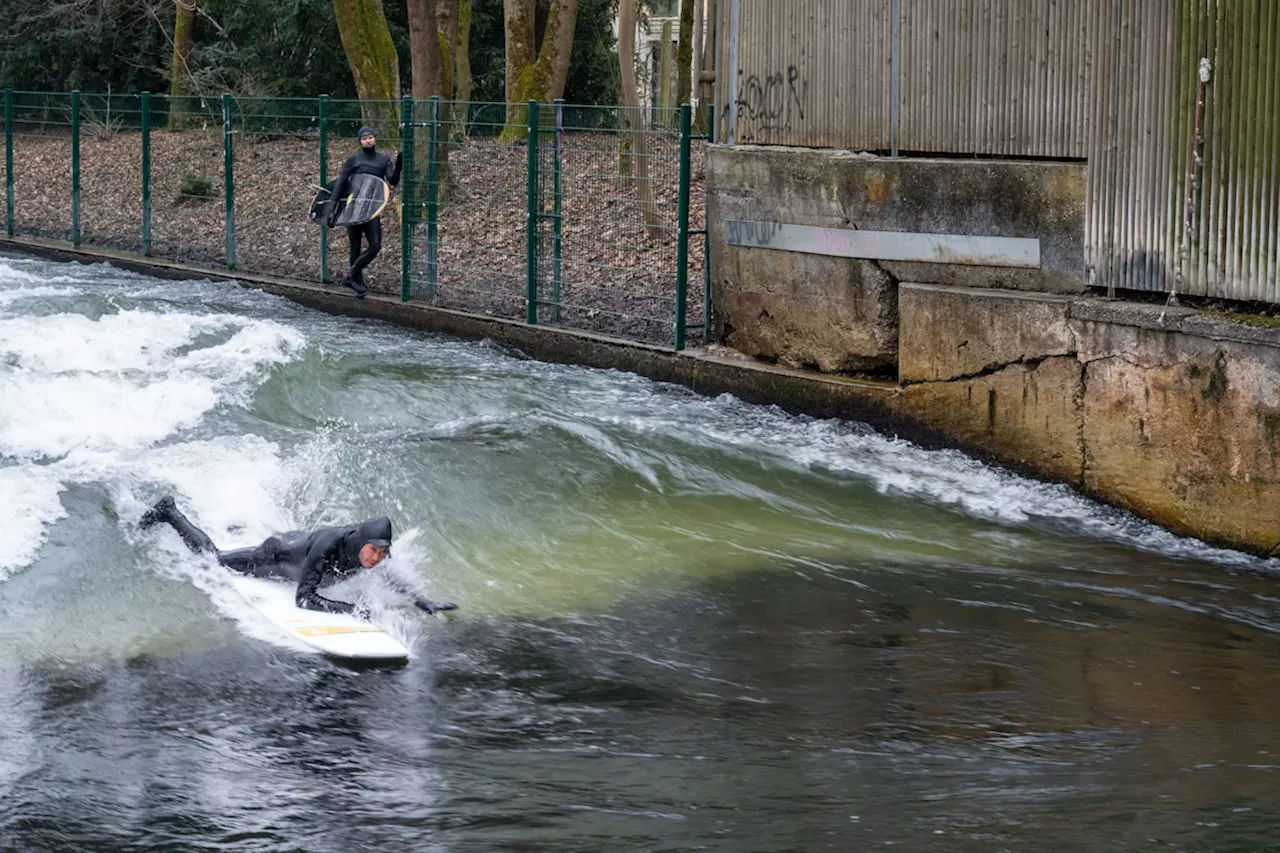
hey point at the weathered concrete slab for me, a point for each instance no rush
(1172, 413)
(839, 189)
(1185, 430)
(835, 315)
(1027, 415)
(949, 333)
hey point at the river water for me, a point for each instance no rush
(685, 624)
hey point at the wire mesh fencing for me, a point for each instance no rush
(609, 221)
(565, 216)
(468, 194)
(111, 171)
(579, 217)
(186, 180)
(43, 192)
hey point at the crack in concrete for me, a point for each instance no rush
(1031, 362)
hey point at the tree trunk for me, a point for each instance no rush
(630, 112)
(535, 72)
(375, 67)
(699, 6)
(633, 118)
(424, 48)
(464, 51)
(447, 33)
(664, 69)
(684, 54)
(707, 74)
(184, 33)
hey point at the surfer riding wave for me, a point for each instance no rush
(313, 560)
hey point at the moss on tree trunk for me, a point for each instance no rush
(375, 66)
(464, 51)
(684, 53)
(184, 31)
(536, 72)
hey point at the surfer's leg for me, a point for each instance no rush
(354, 279)
(354, 232)
(239, 560)
(261, 561)
(373, 231)
(167, 511)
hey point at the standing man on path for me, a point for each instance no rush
(366, 161)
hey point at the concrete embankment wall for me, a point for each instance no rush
(1169, 412)
(840, 314)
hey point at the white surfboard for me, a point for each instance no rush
(336, 634)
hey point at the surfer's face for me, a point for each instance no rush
(371, 555)
(368, 141)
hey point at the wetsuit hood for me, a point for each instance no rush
(375, 531)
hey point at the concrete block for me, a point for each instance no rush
(948, 333)
(1185, 431)
(833, 314)
(1025, 415)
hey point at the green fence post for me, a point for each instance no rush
(531, 223)
(406, 195)
(556, 224)
(145, 109)
(433, 199)
(706, 245)
(8, 161)
(682, 228)
(75, 167)
(322, 119)
(228, 181)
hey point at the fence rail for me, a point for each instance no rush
(581, 217)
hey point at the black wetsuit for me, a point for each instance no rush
(366, 161)
(313, 560)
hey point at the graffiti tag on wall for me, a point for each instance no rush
(769, 104)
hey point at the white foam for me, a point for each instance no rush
(31, 505)
(49, 416)
(11, 295)
(118, 381)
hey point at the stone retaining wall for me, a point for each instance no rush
(1169, 412)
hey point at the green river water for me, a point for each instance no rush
(685, 623)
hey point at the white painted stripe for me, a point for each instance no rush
(887, 245)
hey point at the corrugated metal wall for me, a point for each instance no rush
(809, 72)
(1184, 176)
(1025, 98)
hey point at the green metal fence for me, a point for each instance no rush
(581, 217)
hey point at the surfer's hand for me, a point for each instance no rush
(431, 608)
